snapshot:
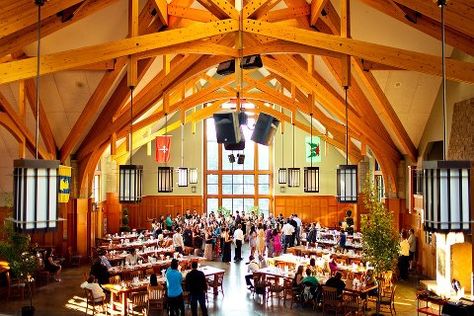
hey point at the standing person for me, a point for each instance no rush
(178, 242)
(412, 242)
(297, 229)
(269, 241)
(226, 251)
(404, 256)
(276, 243)
(260, 240)
(208, 245)
(174, 279)
(252, 240)
(196, 284)
(239, 239)
(169, 222)
(248, 226)
(100, 272)
(288, 231)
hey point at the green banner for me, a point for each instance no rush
(313, 149)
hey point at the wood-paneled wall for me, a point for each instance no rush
(151, 206)
(322, 208)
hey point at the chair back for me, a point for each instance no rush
(220, 279)
(392, 295)
(329, 295)
(156, 292)
(259, 283)
(89, 296)
(139, 298)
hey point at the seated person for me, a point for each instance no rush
(254, 265)
(312, 266)
(336, 282)
(52, 265)
(369, 280)
(132, 257)
(97, 291)
(104, 260)
(310, 279)
(262, 262)
(297, 280)
(100, 272)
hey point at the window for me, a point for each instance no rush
(237, 187)
(96, 189)
(380, 187)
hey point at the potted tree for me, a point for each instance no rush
(380, 241)
(15, 249)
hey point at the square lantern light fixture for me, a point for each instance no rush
(311, 179)
(446, 196)
(240, 159)
(347, 184)
(293, 177)
(165, 179)
(35, 194)
(282, 175)
(193, 176)
(130, 183)
(182, 177)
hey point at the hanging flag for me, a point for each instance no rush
(162, 148)
(313, 149)
(64, 184)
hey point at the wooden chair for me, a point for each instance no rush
(387, 302)
(138, 300)
(259, 285)
(387, 282)
(94, 301)
(149, 271)
(330, 300)
(274, 289)
(156, 298)
(216, 284)
(42, 275)
(290, 293)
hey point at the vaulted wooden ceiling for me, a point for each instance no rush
(386, 51)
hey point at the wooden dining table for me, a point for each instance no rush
(124, 289)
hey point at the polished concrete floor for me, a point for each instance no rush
(66, 297)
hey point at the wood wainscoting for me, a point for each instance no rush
(311, 208)
(154, 206)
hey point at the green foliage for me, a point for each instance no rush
(15, 249)
(255, 211)
(380, 237)
(223, 212)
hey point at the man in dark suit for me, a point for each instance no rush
(197, 286)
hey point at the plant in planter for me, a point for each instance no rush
(15, 249)
(380, 241)
(125, 227)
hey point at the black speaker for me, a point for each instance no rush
(238, 146)
(226, 68)
(243, 118)
(251, 62)
(265, 128)
(227, 127)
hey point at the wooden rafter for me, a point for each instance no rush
(22, 14)
(287, 14)
(25, 68)
(317, 7)
(222, 9)
(25, 36)
(258, 8)
(191, 13)
(409, 60)
(162, 11)
(426, 25)
(21, 127)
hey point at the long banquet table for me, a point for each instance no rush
(124, 289)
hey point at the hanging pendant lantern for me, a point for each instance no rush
(447, 187)
(193, 176)
(130, 176)
(311, 174)
(347, 186)
(282, 172)
(35, 181)
(182, 171)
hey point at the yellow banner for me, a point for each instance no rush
(64, 184)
